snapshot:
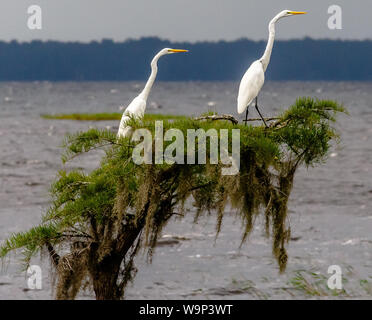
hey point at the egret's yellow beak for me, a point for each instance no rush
(178, 50)
(297, 12)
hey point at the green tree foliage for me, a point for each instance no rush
(98, 222)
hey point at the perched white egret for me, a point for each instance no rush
(137, 107)
(254, 77)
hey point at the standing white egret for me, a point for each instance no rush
(254, 77)
(137, 107)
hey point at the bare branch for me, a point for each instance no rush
(219, 117)
(259, 119)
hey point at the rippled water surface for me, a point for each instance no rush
(330, 206)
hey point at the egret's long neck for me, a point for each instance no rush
(269, 47)
(154, 70)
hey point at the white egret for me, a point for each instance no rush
(137, 107)
(254, 77)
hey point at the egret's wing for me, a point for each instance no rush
(250, 85)
(135, 109)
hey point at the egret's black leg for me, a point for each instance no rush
(246, 116)
(260, 113)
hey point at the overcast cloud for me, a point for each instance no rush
(181, 20)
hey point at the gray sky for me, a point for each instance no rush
(181, 20)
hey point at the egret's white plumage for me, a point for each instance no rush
(250, 85)
(254, 77)
(137, 107)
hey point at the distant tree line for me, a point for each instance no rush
(305, 59)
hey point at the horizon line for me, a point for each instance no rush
(102, 40)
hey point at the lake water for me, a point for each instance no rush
(330, 206)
